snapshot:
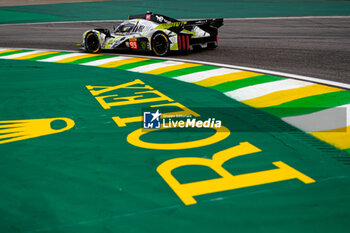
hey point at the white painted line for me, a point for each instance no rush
(257, 70)
(259, 90)
(61, 57)
(56, 50)
(198, 76)
(328, 119)
(3, 49)
(104, 61)
(150, 67)
(18, 55)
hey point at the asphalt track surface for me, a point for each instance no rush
(316, 47)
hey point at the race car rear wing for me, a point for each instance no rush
(166, 22)
(216, 23)
(208, 25)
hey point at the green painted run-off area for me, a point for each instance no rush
(90, 179)
(113, 10)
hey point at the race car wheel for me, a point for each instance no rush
(160, 44)
(92, 43)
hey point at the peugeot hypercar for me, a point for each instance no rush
(155, 32)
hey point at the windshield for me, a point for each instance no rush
(124, 27)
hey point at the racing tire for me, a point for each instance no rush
(160, 44)
(92, 43)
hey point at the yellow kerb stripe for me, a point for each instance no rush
(336, 137)
(171, 68)
(9, 50)
(71, 59)
(34, 55)
(213, 81)
(281, 97)
(122, 62)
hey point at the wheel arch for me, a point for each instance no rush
(162, 32)
(97, 34)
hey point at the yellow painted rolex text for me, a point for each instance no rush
(141, 93)
(108, 101)
(186, 192)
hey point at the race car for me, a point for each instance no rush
(154, 32)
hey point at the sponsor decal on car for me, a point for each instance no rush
(133, 43)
